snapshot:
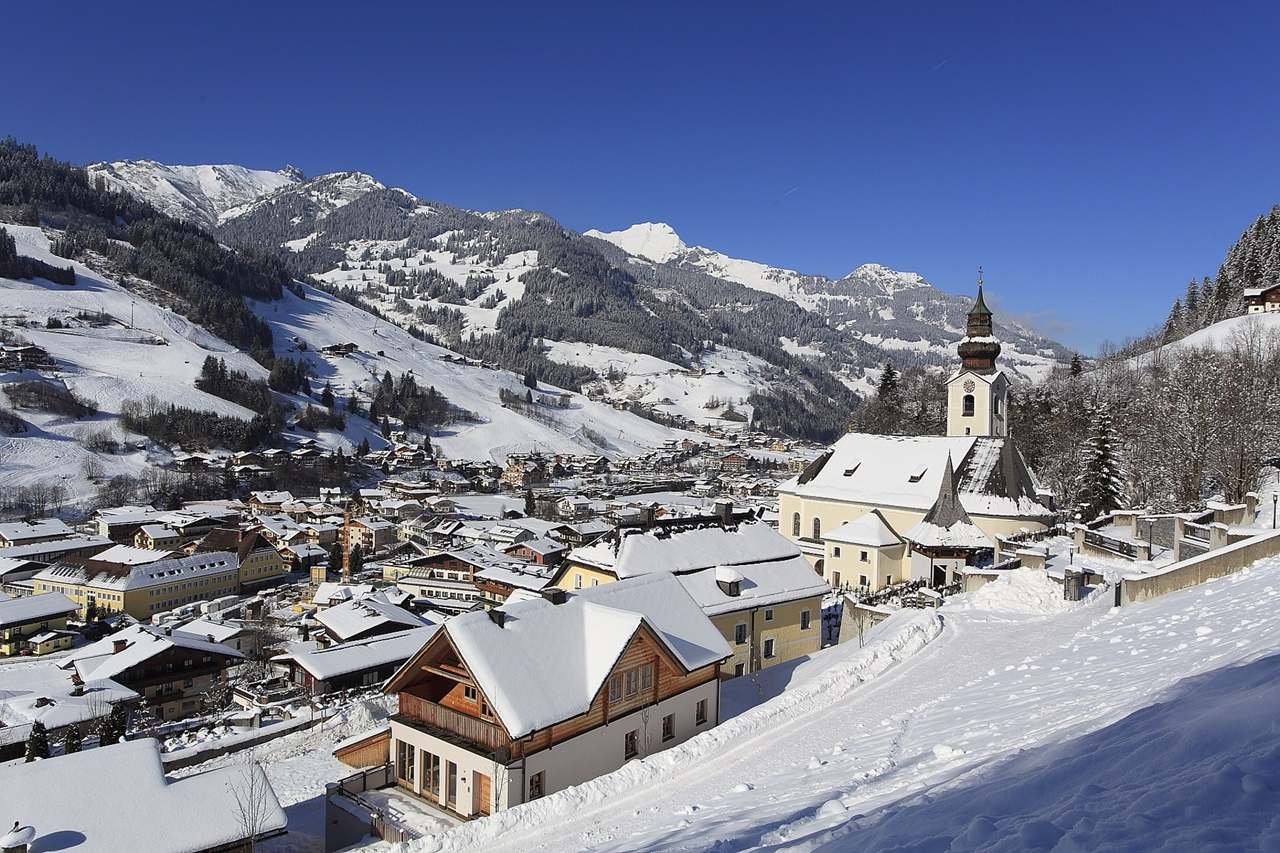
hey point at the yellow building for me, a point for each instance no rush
(34, 624)
(260, 563)
(141, 590)
(754, 585)
(902, 478)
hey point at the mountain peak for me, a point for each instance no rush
(656, 241)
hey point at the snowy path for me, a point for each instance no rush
(991, 684)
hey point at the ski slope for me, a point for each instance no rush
(817, 766)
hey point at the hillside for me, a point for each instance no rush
(198, 194)
(899, 312)
(1012, 721)
(517, 288)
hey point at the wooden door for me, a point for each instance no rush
(482, 796)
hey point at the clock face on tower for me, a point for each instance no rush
(969, 386)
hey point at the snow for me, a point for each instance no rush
(196, 193)
(66, 801)
(49, 605)
(656, 241)
(353, 618)
(761, 584)
(916, 757)
(1023, 590)
(20, 532)
(870, 529)
(1218, 336)
(100, 660)
(631, 552)
(22, 686)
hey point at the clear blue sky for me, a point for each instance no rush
(1091, 156)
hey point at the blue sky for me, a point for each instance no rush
(1091, 156)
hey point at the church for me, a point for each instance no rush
(875, 510)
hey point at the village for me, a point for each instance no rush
(460, 638)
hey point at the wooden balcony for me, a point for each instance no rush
(452, 725)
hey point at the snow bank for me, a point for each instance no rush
(1018, 591)
(760, 725)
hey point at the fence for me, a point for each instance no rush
(372, 779)
(1197, 570)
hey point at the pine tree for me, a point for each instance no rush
(1173, 325)
(888, 388)
(530, 380)
(363, 447)
(386, 427)
(1077, 366)
(530, 506)
(111, 728)
(326, 397)
(37, 742)
(357, 558)
(1100, 485)
(1191, 302)
(71, 740)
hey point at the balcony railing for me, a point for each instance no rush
(478, 732)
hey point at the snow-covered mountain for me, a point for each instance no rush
(896, 311)
(199, 194)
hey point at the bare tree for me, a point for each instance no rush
(253, 803)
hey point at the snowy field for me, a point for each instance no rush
(977, 731)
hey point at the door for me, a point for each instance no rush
(481, 796)
(451, 785)
(940, 575)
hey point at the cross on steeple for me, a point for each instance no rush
(979, 275)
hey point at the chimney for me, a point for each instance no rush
(724, 510)
(43, 701)
(118, 646)
(497, 616)
(555, 595)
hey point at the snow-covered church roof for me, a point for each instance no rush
(946, 524)
(906, 472)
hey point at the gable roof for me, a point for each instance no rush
(699, 544)
(547, 662)
(100, 660)
(29, 608)
(358, 655)
(869, 529)
(946, 524)
(354, 618)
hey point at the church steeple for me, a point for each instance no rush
(979, 349)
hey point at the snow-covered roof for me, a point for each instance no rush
(958, 535)
(519, 574)
(628, 552)
(345, 658)
(158, 531)
(23, 690)
(211, 629)
(271, 497)
(331, 592)
(33, 608)
(354, 618)
(547, 662)
(163, 571)
(541, 546)
(127, 555)
(870, 529)
(759, 584)
(140, 810)
(906, 471)
(100, 660)
(25, 531)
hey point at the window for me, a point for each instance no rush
(631, 682)
(835, 580)
(740, 634)
(669, 727)
(700, 712)
(404, 761)
(430, 774)
(451, 784)
(768, 647)
(615, 688)
(864, 557)
(817, 528)
(739, 669)
(646, 676)
(968, 405)
(577, 581)
(888, 580)
(795, 525)
(595, 582)
(468, 693)
(862, 580)
(768, 614)
(805, 620)
(536, 786)
(484, 708)
(631, 744)
(995, 405)
(835, 551)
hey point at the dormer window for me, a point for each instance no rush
(918, 474)
(848, 472)
(729, 581)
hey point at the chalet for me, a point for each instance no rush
(57, 699)
(505, 706)
(734, 461)
(35, 624)
(499, 582)
(340, 349)
(451, 575)
(754, 585)
(260, 502)
(358, 663)
(1265, 299)
(25, 357)
(172, 671)
(236, 633)
(362, 618)
(581, 532)
(33, 532)
(121, 524)
(540, 551)
(140, 809)
(302, 556)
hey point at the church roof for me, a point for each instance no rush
(946, 524)
(980, 305)
(871, 529)
(907, 471)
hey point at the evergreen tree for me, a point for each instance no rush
(1173, 325)
(37, 742)
(1077, 366)
(530, 506)
(1191, 302)
(386, 427)
(363, 447)
(1100, 485)
(888, 387)
(357, 558)
(111, 728)
(326, 397)
(71, 740)
(530, 379)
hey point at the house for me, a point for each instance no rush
(121, 523)
(542, 551)
(173, 671)
(56, 549)
(54, 698)
(35, 624)
(865, 554)
(505, 706)
(363, 618)
(902, 476)
(1265, 299)
(235, 633)
(330, 594)
(139, 809)
(260, 502)
(755, 586)
(141, 591)
(259, 563)
(453, 575)
(371, 534)
(156, 537)
(32, 532)
(499, 580)
(358, 663)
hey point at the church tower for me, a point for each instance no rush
(977, 394)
